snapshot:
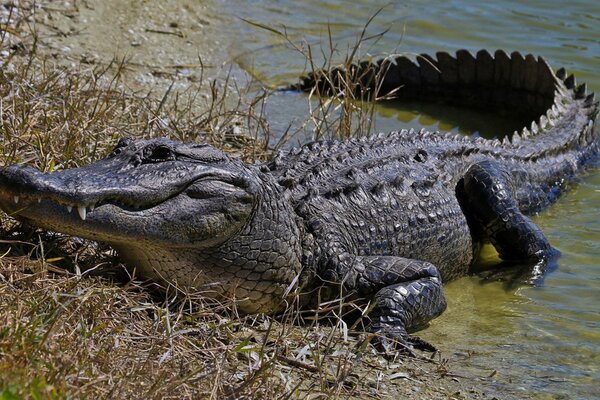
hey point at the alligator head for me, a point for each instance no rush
(159, 192)
(184, 214)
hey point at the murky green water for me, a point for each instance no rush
(543, 341)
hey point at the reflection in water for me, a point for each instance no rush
(393, 115)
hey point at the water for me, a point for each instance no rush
(543, 341)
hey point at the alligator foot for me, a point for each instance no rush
(407, 305)
(407, 294)
(489, 200)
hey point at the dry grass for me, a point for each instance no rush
(70, 336)
(342, 93)
(65, 333)
(56, 118)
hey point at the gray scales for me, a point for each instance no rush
(383, 219)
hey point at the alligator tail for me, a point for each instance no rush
(559, 115)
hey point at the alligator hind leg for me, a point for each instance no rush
(407, 294)
(488, 198)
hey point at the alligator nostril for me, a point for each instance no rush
(123, 142)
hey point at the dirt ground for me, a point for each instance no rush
(160, 41)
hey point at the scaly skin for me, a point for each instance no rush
(385, 218)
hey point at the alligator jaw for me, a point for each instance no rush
(132, 197)
(45, 200)
(24, 189)
(23, 204)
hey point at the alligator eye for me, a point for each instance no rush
(159, 153)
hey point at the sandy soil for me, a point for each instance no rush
(160, 41)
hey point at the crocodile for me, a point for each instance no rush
(382, 219)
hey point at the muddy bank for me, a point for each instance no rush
(159, 41)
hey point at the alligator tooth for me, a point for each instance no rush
(92, 207)
(39, 200)
(543, 122)
(16, 199)
(82, 212)
(69, 208)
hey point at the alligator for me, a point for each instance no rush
(384, 219)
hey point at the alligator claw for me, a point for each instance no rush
(421, 344)
(392, 344)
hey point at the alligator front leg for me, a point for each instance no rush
(489, 199)
(407, 294)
